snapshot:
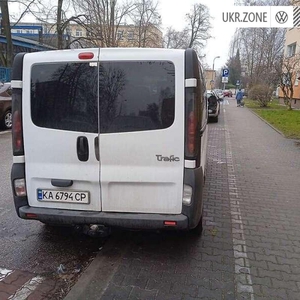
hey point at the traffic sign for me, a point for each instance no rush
(225, 73)
(224, 79)
(238, 82)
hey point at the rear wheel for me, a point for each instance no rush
(198, 229)
(216, 119)
(7, 120)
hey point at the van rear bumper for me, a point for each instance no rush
(124, 220)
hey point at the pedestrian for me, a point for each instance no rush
(239, 97)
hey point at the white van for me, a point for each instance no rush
(115, 137)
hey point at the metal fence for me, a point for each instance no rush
(5, 74)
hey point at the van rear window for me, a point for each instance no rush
(64, 96)
(122, 96)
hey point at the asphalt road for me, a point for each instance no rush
(249, 248)
(31, 246)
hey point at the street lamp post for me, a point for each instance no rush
(214, 67)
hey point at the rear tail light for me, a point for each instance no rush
(170, 223)
(187, 194)
(191, 133)
(191, 126)
(17, 133)
(20, 187)
(31, 216)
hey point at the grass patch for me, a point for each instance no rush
(288, 122)
(274, 104)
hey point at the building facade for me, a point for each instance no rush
(78, 36)
(210, 79)
(292, 52)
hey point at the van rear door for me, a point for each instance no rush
(60, 122)
(141, 140)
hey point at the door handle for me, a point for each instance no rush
(96, 144)
(61, 182)
(82, 148)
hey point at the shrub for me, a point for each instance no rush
(261, 93)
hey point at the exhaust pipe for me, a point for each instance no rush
(96, 230)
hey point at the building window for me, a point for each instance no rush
(119, 34)
(130, 35)
(296, 79)
(291, 50)
(78, 32)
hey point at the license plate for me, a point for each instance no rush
(63, 196)
(210, 111)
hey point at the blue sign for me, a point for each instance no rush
(225, 73)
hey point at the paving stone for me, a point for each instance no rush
(251, 219)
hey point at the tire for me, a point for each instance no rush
(198, 229)
(216, 119)
(7, 120)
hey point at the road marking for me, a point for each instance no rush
(4, 132)
(27, 288)
(4, 273)
(243, 278)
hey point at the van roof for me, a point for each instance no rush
(111, 53)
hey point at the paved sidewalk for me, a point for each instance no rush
(267, 170)
(250, 245)
(21, 285)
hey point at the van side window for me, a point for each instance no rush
(136, 95)
(64, 96)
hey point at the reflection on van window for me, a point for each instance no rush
(64, 96)
(136, 96)
(133, 96)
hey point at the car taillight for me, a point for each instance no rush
(17, 133)
(20, 187)
(191, 133)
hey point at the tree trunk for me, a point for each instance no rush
(7, 33)
(59, 25)
(112, 23)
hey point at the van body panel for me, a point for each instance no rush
(50, 153)
(195, 179)
(136, 163)
(133, 175)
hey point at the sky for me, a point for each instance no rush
(173, 14)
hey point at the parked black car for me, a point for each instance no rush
(213, 106)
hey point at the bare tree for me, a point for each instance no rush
(288, 72)
(176, 39)
(259, 49)
(7, 57)
(196, 32)
(104, 19)
(55, 18)
(147, 22)
(198, 25)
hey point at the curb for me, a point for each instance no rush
(95, 279)
(4, 132)
(277, 130)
